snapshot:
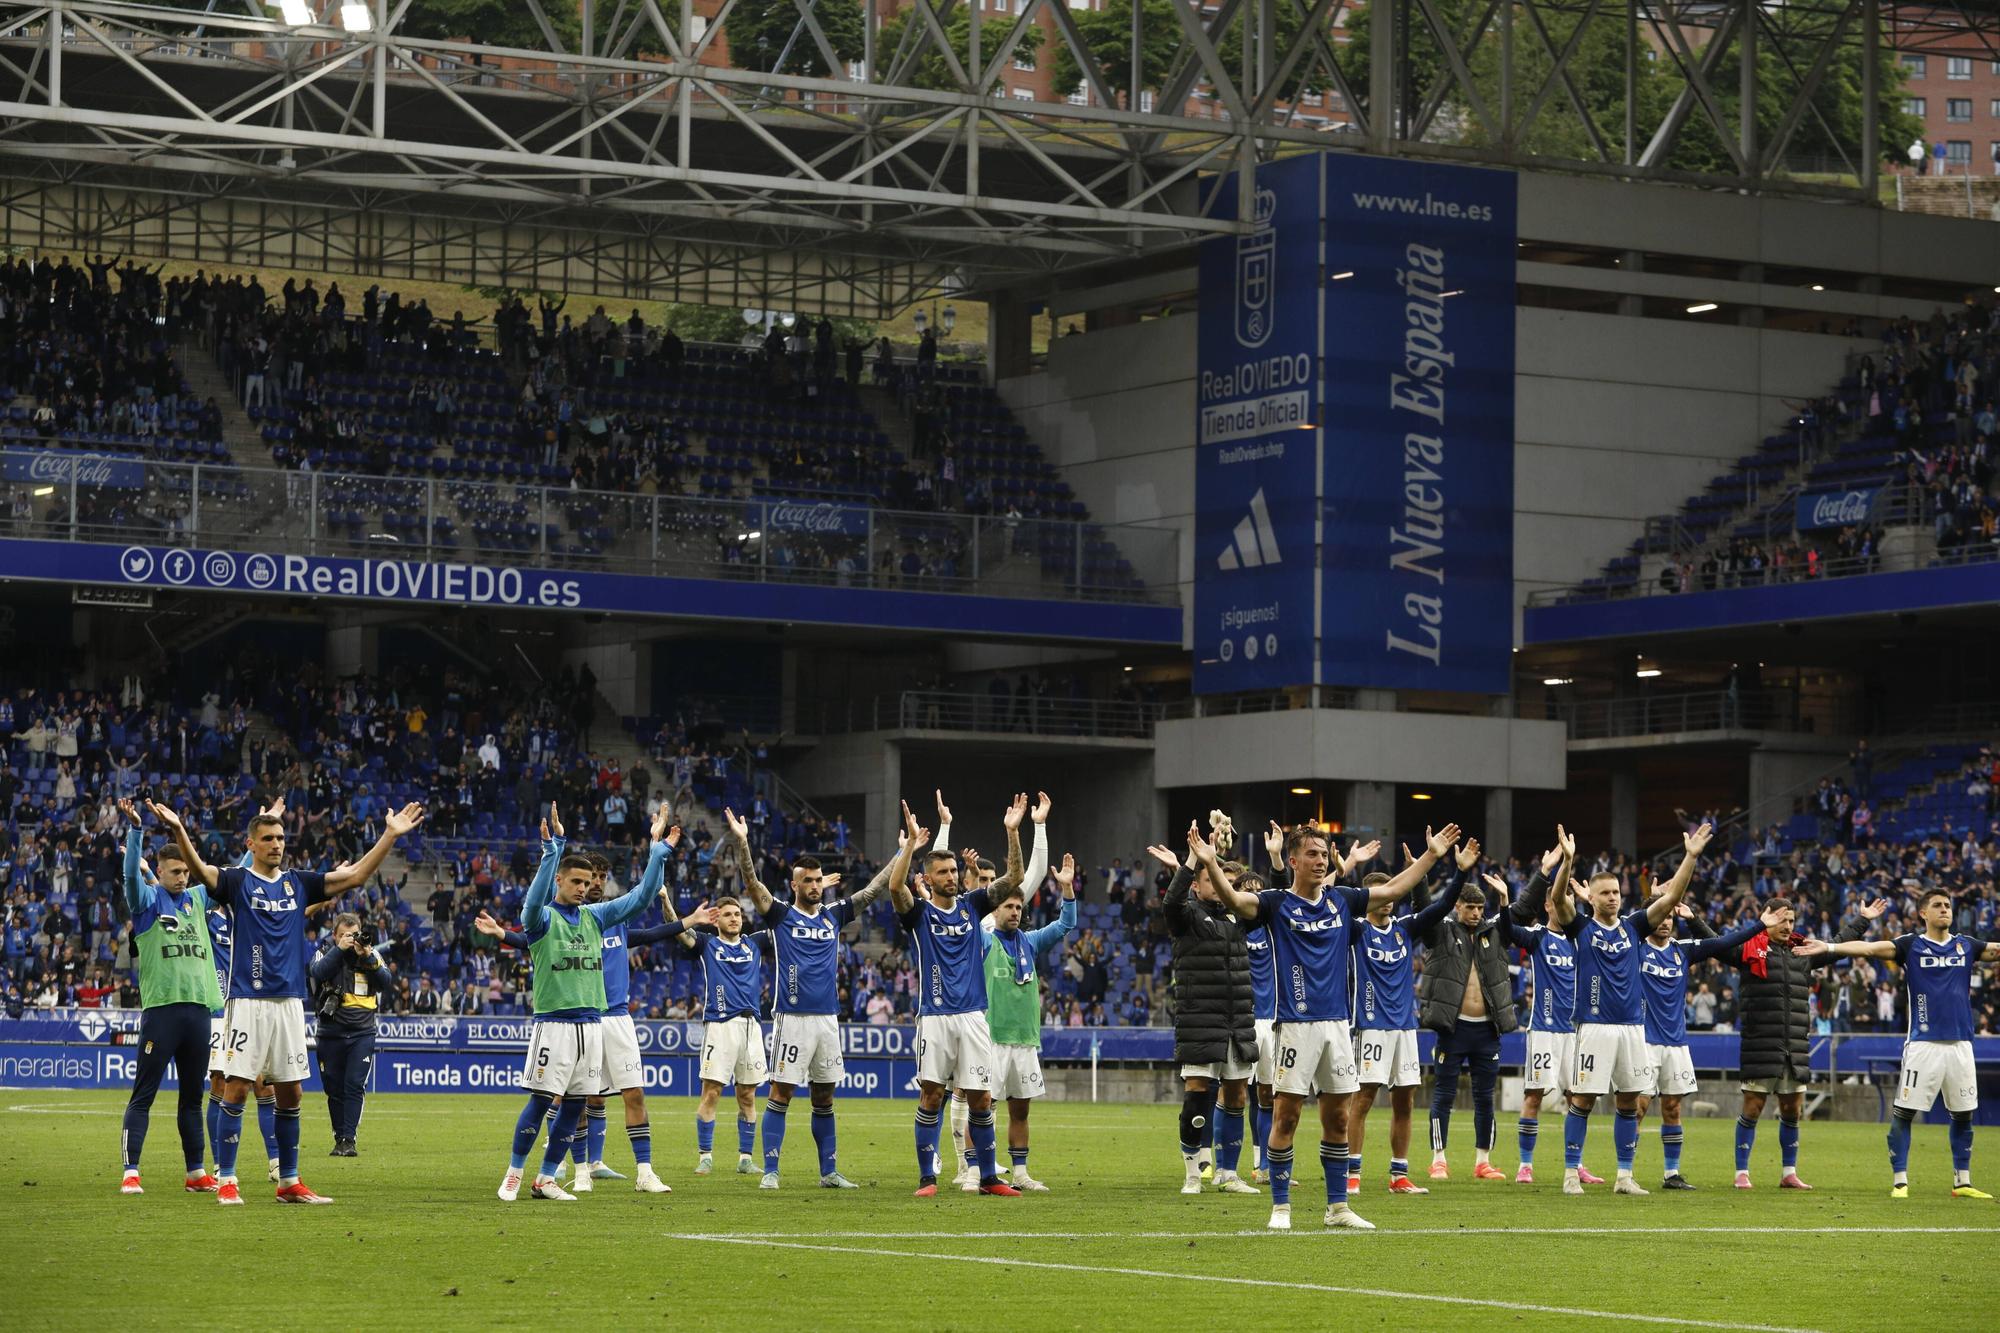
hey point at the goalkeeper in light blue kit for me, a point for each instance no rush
(566, 1047)
(1937, 1052)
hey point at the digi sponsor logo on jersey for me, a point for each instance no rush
(1941, 960)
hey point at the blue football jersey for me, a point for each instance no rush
(269, 962)
(951, 955)
(1263, 977)
(1663, 978)
(1555, 980)
(1939, 977)
(1607, 969)
(732, 977)
(219, 948)
(808, 947)
(617, 969)
(1385, 996)
(1311, 951)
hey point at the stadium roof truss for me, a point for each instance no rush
(233, 136)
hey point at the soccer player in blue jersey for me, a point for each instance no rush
(1311, 926)
(1937, 1050)
(220, 942)
(805, 1021)
(265, 1011)
(565, 1057)
(1663, 964)
(623, 1068)
(1551, 1030)
(1610, 1009)
(1385, 1025)
(732, 1044)
(954, 1044)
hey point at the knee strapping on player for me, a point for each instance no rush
(1197, 1108)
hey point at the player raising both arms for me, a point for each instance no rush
(178, 991)
(1937, 1051)
(1610, 1009)
(265, 1012)
(1311, 924)
(954, 1047)
(805, 1021)
(1014, 1002)
(732, 1041)
(1551, 1028)
(565, 1057)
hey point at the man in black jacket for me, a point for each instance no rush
(1466, 997)
(1775, 1017)
(1215, 1032)
(350, 979)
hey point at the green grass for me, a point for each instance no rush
(418, 1240)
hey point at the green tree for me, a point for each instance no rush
(1107, 36)
(496, 22)
(930, 70)
(759, 31)
(1306, 77)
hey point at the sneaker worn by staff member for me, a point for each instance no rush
(545, 1187)
(1677, 1181)
(299, 1192)
(648, 1182)
(1404, 1185)
(1340, 1215)
(130, 1184)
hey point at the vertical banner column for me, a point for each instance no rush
(1419, 337)
(1257, 439)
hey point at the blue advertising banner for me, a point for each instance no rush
(56, 467)
(1836, 509)
(1256, 471)
(389, 578)
(1419, 340)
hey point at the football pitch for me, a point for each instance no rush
(416, 1238)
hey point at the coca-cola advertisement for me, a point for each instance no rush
(1837, 509)
(818, 516)
(58, 467)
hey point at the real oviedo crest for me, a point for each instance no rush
(1256, 270)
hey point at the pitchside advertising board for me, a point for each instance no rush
(1397, 284)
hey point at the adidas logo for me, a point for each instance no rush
(1256, 544)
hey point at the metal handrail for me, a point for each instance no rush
(948, 710)
(101, 495)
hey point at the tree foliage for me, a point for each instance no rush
(931, 71)
(760, 30)
(1107, 37)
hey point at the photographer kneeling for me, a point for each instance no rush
(350, 977)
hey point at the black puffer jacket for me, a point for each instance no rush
(1212, 1010)
(1774, 1011)
(1452, 953)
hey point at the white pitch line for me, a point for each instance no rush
(1519, 1307)
(1386, 1234)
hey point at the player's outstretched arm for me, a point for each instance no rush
(1202, 851)
(941, 843)
(635, 900)
(197, 868)
(394, 825)
(1810, 947)
(534, 911)
(1676, 888)
(739, 846)
(1436, 846)
(1714, 945)
(909, 841)
(134, 885)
